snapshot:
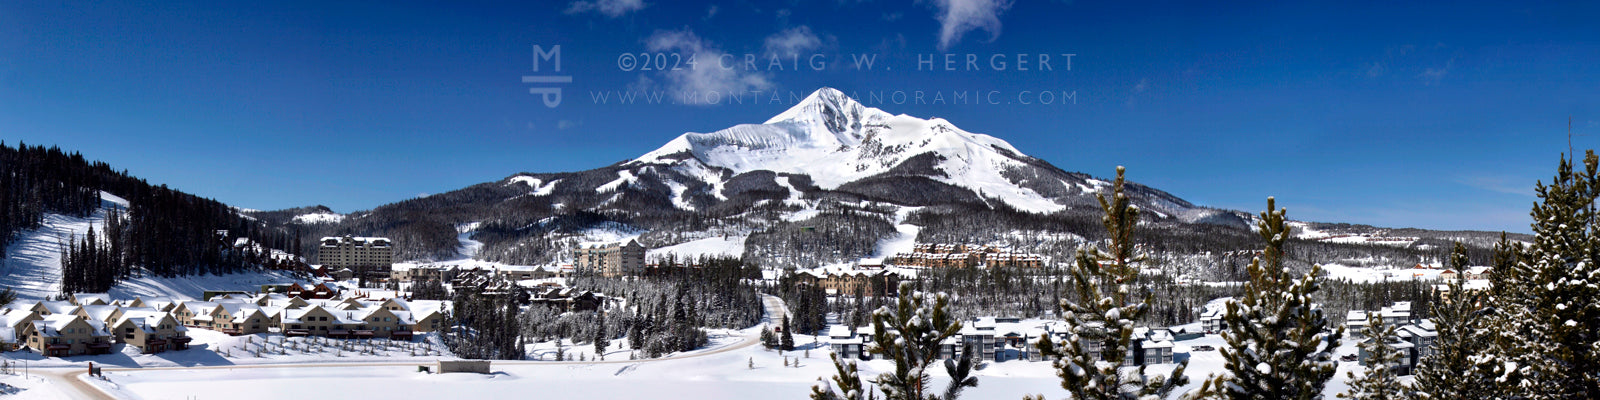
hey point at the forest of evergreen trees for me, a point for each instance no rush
(660, 314)
(163, 231)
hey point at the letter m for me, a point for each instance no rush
(553, 55)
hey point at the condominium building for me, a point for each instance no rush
(610, 259)
(369, 257)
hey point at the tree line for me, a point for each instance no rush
(162, 231)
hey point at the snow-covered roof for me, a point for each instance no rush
(839, 332)
(52, 325)
(59, 307)
(85, 297)
(100, 312)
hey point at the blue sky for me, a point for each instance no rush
(1428, 115)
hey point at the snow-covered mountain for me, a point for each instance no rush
(835, 141)
(836, 144)
(872, 182)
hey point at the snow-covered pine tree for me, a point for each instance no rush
(848, 380)
(602, 340)
(909, 334)
(1498, 366)
(1279, 344)
(1456, 318)
(1546, 321)
(1101, 320)
(1382, 380)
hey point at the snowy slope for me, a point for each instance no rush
(712, 246)
(835, 141)
(319, 218)
(33, 263)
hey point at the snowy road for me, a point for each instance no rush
(72, 380)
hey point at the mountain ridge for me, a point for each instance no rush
(826, 180)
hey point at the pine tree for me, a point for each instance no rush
(1382, 380)
(786, 342)
(1101, 321)
(848, 380)
(602, 340)
(1456, 319)
(1279, 345)
(1544, 340)
(910, 334)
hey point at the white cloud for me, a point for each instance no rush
(708, 74)
(609, 8)
(711, 12)
(1434, 75)
(957, 17)
(1499, 184)
(567, 124)
(793, 41)
(1143, 85)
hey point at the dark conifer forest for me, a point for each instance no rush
(162, 231)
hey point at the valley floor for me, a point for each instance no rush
(733, 367)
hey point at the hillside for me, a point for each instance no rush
(74, 225)
(830, 180)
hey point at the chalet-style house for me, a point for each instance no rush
(150, 332)
(63, 335)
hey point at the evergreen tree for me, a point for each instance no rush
(1101, 320)
(1279, 345)
(910, 335)
(1456, 319)
(768, 339)
(848, 382)
(786, 343)
(1544, 333)
(602, 340)
(1382, 380)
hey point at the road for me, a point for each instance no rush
(76, 388)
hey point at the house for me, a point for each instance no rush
(979, 334)
(1405, 353)
(381, 322)
(194, 313)
(11, 324)
(847, 344)
(240, 319)
(316, 291)
(1155, 347)
(47, 308)
(158, 303)
(280, 301)
(1211, 321)
(62, 335)
(522, 273)
(1355, 323)
(151, 332)
(429, 321)
(88, 299)
(1449, 275)
(308, 321)
(1479, 272)
(362, 323)
(568, 299)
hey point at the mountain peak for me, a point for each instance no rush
(826, 105)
